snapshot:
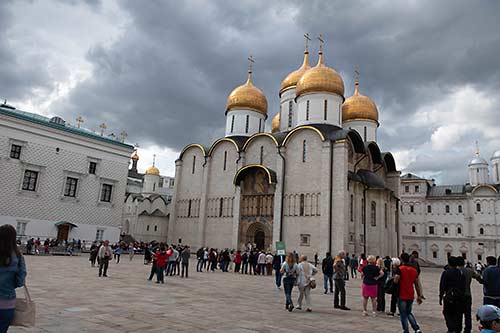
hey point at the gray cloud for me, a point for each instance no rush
(166, 79)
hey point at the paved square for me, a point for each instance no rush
(71, 298)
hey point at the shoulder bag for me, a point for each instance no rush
(25, 311)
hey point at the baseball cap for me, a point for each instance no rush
(488, 313)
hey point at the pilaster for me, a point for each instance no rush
(173, 205)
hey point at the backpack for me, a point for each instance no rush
(391, 287)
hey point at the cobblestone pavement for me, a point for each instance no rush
(71, 298)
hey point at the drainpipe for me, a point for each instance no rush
(282, 213)
(330, 205)
(364, 219)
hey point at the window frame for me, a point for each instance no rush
(15, 149)
(92, 167)
(103, 194)
(71, 187)
(25, 185)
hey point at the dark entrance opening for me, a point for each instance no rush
(259, 239)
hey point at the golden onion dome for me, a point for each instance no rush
(275, 125)
(152, 170)
(359, 107)
(291, 79)
(135, 157)
(320, 78)
(247, 96)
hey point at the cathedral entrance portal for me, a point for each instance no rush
(256, 206)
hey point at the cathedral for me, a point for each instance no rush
(317, 182)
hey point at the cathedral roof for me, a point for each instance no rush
(368, 178)
(446, 190)
(359, 107)
(247, 96)
(410, 176)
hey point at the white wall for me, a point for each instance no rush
(316, 109)
(255, 118)
(285, 99)
(360, 125)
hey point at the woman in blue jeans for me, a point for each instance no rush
(12, 274)
(289, 269)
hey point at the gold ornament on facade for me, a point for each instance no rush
(247, 96)
(359, 107)
(320, 78)
(275, 125)
(291, 80)
(152, 170)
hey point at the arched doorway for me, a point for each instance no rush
(260, 239)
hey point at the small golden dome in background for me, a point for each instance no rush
(135, 157)
(247, 96)
(152, 170)
(320, 78)
(275, 125)
(291, 80)
(359, 107)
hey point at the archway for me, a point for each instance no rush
(260, 239)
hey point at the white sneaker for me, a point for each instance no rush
(299, 307)
(365, 313)
(418, 331)
(374, 314)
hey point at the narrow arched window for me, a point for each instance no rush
(481, 231)
(373, 214)
(325, 109)
(302, 203)
(261, 158)
(413, 229)
(189, 209)
(365, 133)
(225, 160)
(260, 125)
(232, 123)
(351, 208)
(307, 110)
(386, 218)
(194, 165)
(221, 206)
(304, 151)
(447, 208)
(290, 113)
(247, 123)
(478, 207)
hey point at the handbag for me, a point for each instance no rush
(25, 311)
(390, 287)
(312, 283)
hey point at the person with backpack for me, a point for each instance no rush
(289, 269)
(12, 274)
(452, 295)
(305, 282)
(491, 282)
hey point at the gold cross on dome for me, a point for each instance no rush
(136, 146)
(103, 128)
(124, 135)
(250, 63)
(306, 36)
(356, 73)
(321, 41)
(79, 121)
(154, 159)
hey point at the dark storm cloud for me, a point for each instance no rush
(166, 79)
(20, 74)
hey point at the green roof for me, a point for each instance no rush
(45, 121)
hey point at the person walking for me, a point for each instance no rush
(171, 261)
(118, 252)
(347, 264)
(244, 261)
(161, 256)
(289, 269)
(199, 257)
(354, 267)
(395, 292)
(407, 278)
(452, 295)
(491, 282)
(370, 273)
(489, 318)
(339, 278)
(327, 268)
(153, 262)
(93, 254)
(381, 285)
(131, 251)
(12, 275)
(104, 256)
(305, 277)
(185, 255)
(269, 264)
(277, 262)
(469, 275)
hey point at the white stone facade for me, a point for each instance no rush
(66, 190)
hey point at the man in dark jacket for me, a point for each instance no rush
(469, 275)
(452, 295)
(199, 255)
(491, 282)
(327, 267)
(277, 261)
(244, 262)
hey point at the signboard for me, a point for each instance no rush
(280, 248)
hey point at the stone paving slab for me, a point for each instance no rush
(71, 298)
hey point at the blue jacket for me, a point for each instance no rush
(12, 277)
(491, 281)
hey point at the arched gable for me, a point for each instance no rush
(258, 135)
(301, 128)
(375, 154)
(484, 189)
(190, 146)
(214, 145)
(389, 162)
(356, 141)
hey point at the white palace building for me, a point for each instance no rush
(58, 180)
(318, 181)
(443, 220)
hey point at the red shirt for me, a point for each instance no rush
(408, 276)
(161, 259)
(237, 258)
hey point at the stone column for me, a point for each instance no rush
(173, 204)
(278, 195)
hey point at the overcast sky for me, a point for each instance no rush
(162, 70)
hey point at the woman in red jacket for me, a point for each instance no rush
(161, 256)
(237, 261)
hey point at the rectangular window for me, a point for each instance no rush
(290, 114)
(417, 189)
(302, 205)
(434, 254)
(106, 192)
(70, 188)
(304, 151)
(225, 160)
(305, 239)
(407, 189)
(21, 228)
(29, 181)
(232, 123)
(147, 228)
(325, 109)
(15, 151)
(307, 110)
(92, 168)
(459, 208)
(247, 123)
(429, 209)
(99, 234)
(431, 230)
(447, 209)
(412, 209)
(156, 228)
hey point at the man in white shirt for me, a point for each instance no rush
(261, 261)
(104, 255)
